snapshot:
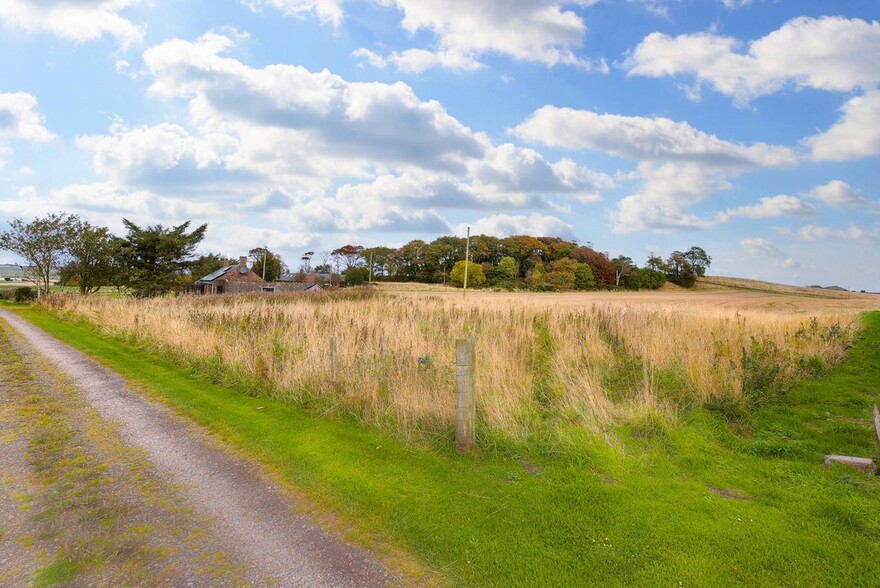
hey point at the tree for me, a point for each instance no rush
(560, 274)
(583, 277)
(475, 276)
(644, 279)
(42, 243)
(157, 257)
(207, 263)
(351, 255)
(91, 251)
(306, 261)
(275, 266)
(680, 271)
(655, 262)
(603, 269)
(698, 259)
(622, 266)
(507, 267)
(522, 248)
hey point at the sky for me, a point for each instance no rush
(750, 128)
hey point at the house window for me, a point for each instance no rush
(268, 288)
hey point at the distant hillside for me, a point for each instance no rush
(8, 270)
(759, 286)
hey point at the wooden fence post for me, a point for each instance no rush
(333, 359)
(465, 405)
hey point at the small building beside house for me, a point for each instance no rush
(239, 279)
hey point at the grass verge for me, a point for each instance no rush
(706, 503)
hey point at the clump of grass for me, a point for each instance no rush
(538, 368)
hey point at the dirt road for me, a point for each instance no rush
(263, 541)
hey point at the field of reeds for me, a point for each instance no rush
(540, 370)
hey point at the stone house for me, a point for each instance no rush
(239, 279)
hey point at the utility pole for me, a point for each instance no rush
(265, 251)
(467, 254)
(370, 276)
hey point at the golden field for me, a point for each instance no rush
(546, 363)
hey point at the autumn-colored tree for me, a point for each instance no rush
(603, 269)
(349, 255)
(523, 248)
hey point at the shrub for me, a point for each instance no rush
(476, 277)
(644, 279)
(356, 276)
(24, 294)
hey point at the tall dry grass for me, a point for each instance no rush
(539, 369)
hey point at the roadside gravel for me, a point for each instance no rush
(249, 518)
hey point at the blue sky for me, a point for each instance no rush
(748, 127)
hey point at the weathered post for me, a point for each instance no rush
(333, 359)
(877, 421)
(465, 405)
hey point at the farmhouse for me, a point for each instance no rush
(239, 279)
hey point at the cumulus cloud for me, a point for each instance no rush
(545, 31)
(769, 207)
(644, 138)
(678, 165)
(505, 225)
(379, 123)
(77, 20)
(820, 233)
(855, 135)
(666, 192)
(837, 193)
(319, 152)
(19, 118)
(829, 53)
(165, 156)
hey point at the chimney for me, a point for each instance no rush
(242, 262)
(225, 263)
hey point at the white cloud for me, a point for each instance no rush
(316, 152)
(838, 193)
(504, 225)
(762, 248)
(829, 53)
(644, 138)
(329, 11)
(545, 31)
(820, 233)
(419, 60)
(855, 135)
(19, 118)
(769, 207)
(667, 191)
(678, 165)
(373, 122)
(77, 20)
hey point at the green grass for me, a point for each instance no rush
(702, 502)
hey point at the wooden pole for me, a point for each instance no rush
(333, 359)
(465, 405)
(467, 254)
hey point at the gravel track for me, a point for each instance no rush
(256, 525)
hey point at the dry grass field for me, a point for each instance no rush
(547, 364)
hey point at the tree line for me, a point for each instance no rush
(519, 261)
(155, 260)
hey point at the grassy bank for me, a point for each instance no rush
(696, 501)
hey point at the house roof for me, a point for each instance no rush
(217, 274)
